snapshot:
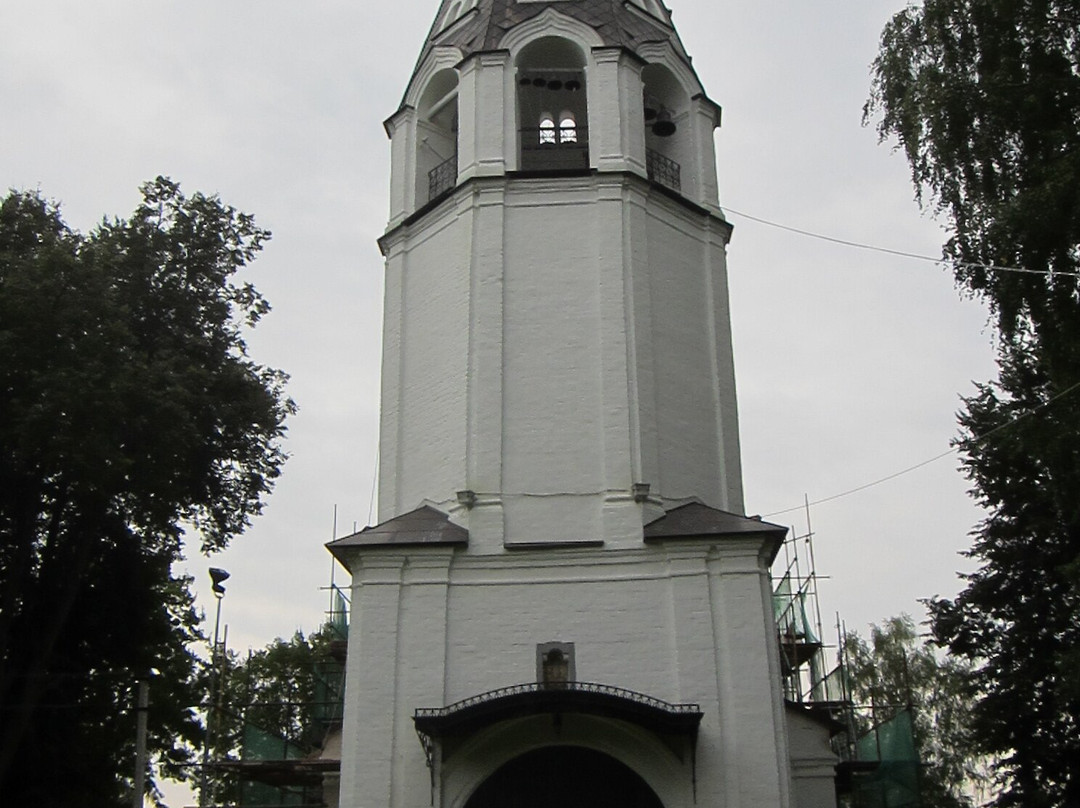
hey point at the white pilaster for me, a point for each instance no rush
(482, 144)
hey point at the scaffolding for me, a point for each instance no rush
(284, 749)
(878, 764)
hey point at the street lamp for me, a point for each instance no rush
(217, 577)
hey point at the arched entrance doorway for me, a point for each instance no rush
(564, 777)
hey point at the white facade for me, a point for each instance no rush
(549, 343)
(559, 458)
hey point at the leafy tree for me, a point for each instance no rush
(1018, 618)
(278, 702)
(896, 671)
(984, 98)
(129, 410)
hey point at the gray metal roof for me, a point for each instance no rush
(697, 521)
(425, 526)
(618, 23)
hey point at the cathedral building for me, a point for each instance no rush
(563, 602)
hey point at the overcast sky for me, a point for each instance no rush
(850, 363)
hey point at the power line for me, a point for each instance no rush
(902, 253)
(909, 469)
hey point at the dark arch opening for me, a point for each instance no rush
(565, 777)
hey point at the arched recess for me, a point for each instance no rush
(670, 140)
(436, 136)
(662, 754)
(567, 776)
(552, 109)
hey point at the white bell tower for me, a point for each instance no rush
(561, 579)
(557, 333)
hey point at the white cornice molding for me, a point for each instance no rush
(550, 23)
(443, 57)
(664, 53)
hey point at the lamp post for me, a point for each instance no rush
(140, 744)
(217, 577)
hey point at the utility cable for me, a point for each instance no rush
(952, 451)
(902, 253)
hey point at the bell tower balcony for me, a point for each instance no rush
(555, 148)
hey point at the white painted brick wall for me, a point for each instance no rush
(683, 624)
(550, 343)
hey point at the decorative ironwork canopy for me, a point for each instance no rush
(477, 712)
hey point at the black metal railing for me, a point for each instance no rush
(663, 170)
(537, 687)
(552, 148)
(443, 177)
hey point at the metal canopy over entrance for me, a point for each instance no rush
(470, 715)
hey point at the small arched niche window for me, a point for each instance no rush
(555, 664)
(547, 129)
(567, 127)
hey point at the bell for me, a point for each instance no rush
(525, 82)
(664, 126)
(539, 82)
(555, 84)
(573, 85)
(650, 113)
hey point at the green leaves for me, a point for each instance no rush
(129, 410)
(897, 671)
(984, 98)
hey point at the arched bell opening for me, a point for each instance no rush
(551, 106)
(436, 137)
(567, 776)
(668, 133)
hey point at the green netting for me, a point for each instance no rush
(339, 615)
(261, 795)
(781, 597)
(790, 609)
(895, 782)
(329, 692)
(831, 686)
(259, 744)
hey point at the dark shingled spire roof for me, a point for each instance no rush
(619, 23)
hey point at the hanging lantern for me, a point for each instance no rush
(555, 84)
(573, 85)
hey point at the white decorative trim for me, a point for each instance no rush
(440, 58)
(550, 23)
(652, 10)
(664, 53)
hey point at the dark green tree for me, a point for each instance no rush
(276, 703)
(984, 98)
(129, 412)
(897, 671)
